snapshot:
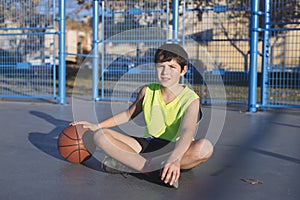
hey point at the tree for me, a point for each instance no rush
(236, 17)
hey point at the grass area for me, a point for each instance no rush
(81, 83)
(235, 93)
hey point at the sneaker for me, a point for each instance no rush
(175, 184)
(155, 176)
(113, 166)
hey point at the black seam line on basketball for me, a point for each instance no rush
(69, 136)
(72, 153)
(71, 145)
(78, 145)
(68, 145)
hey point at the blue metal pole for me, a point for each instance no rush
(62, 50)
(265, 59)
(183, 22)
(167, 20)
(95, 70)
(175, 20)
(253, 56)
(103, 47)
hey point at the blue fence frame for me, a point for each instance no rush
(128, 41)
(28, 49)
(62, 52)
(227, 35)
(221, 46)
(280, 81)
(250, 81)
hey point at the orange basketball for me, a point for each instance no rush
(75, 144)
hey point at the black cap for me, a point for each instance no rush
(176, 49)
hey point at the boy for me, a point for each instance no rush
(171, 113)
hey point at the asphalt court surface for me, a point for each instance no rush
(264, 146)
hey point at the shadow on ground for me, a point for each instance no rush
(47, 143)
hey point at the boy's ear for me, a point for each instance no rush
(184, 70)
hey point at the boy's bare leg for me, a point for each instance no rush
(126, 150)
(199, 152)
(121, 147)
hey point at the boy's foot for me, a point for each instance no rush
(113, 166)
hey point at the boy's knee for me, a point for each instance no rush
(99, 136)
(210, 148)
(206, 149)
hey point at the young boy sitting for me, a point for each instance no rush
(171, 113)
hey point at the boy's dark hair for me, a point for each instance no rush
(167, 52)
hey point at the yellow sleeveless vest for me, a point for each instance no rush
(163, 120)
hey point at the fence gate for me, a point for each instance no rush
(131, 32)
(27, 49)
(281, 54)
(216, 36)
(217, 33)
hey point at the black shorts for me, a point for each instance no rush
(155, 145)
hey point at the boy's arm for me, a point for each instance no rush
(187, 131)
(126, 115)
(119, 118)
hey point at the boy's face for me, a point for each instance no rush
(169, 73)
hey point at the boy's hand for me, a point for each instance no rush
(171, 172)
(87, 125)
